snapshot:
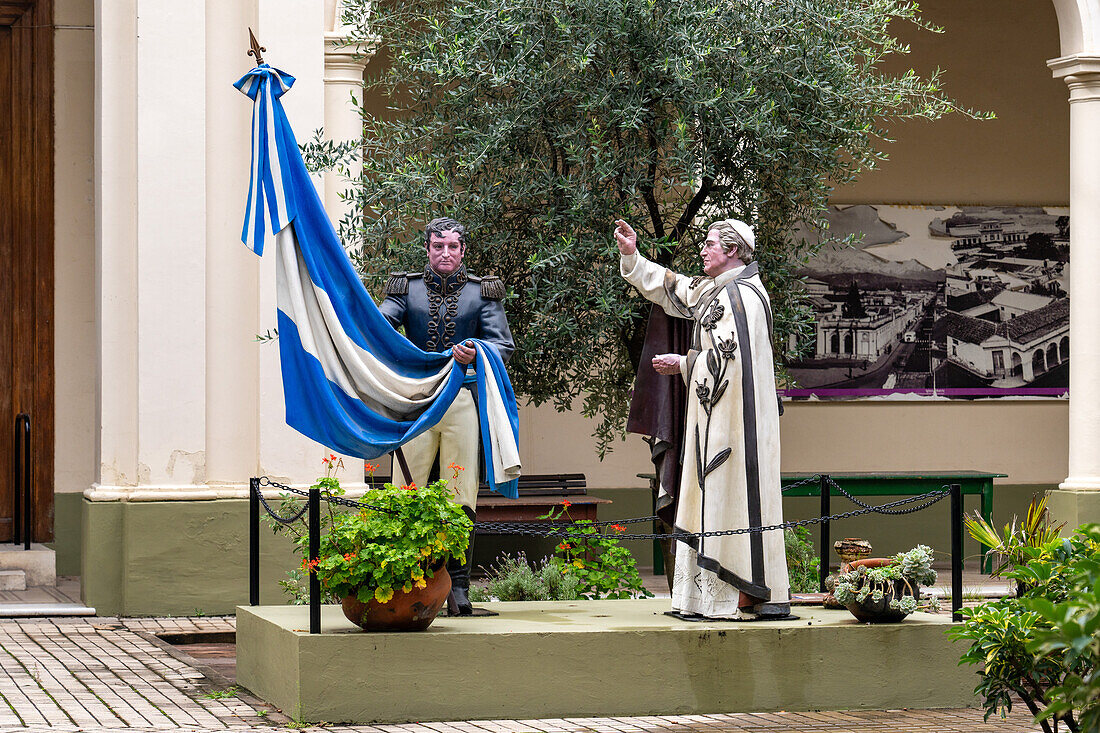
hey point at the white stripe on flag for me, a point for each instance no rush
(356, 371)
(506, 464)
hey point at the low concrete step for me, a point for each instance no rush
(13, 580)
(38, 563)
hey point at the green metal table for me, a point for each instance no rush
(903, 483)
(885, 483)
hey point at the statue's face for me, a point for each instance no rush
(715, 259)
(445, 252)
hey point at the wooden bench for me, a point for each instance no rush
(538, 494)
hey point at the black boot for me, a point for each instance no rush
(459, 570)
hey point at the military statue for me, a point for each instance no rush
(440, 308)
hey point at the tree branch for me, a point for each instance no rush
(692, 209)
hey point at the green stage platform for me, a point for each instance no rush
(594, 658)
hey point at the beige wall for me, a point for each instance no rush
(74, 221)
(994, 53)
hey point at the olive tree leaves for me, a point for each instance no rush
(537, 124)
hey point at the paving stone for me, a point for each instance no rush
(97, 674)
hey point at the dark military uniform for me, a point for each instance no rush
(438, 312)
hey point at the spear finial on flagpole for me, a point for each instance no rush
(256, 49)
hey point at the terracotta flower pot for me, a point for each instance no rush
(871, 562)
(412, 611)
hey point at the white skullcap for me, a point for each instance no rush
(743, 230)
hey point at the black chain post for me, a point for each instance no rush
(314, 553)
(823, 567)
(956, 552)
(254, 541)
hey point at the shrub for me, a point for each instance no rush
(803, 563)
(513, 579)
(1044, 646)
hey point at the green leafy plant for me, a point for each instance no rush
(1035, 531)
(372, 553)
(602, 567)
(1074, 633)
(537, 124)
(803, 563)
(513, 579)
(912, 568)
(1044, 646)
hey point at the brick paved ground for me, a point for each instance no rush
(100, 674)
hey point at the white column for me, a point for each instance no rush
(116, 430)
(233, 271)
(344, 65)
(1082, 75)
(189, 405)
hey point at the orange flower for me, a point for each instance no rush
(456, 467)
(409, 487)
(618, 527)
(566, 503)
(565, 546)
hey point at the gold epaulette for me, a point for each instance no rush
(492, 287)
(398, 284)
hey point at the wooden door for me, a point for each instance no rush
(26, 252)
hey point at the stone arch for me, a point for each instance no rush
(834, 343)
(1063, 348)
(1038, 362)
(1078, 25)
(1017, 365)
(1052, 355)
(849, 343)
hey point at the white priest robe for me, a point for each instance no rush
(730, 477)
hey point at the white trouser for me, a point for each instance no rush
(455, 439)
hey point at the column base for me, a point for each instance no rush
(175, 558)
(1074, 505)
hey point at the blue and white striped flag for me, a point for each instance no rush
(351, 382)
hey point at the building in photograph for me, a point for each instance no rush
(1014, 352)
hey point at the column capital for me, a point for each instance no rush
(1081, 73)
(344, 62)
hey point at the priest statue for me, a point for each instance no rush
(730, 476)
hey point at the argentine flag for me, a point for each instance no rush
(351, 382)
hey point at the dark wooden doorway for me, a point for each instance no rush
(26, 252)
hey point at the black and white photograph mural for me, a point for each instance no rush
(969, 301)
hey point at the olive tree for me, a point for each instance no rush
(537, 123)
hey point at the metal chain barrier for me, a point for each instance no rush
(816, 478)
(883, 509)
(274, 515)
(571, 530)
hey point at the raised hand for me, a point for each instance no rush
(626, 238)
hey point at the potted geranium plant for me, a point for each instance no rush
(885, 590)
(385, 561)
